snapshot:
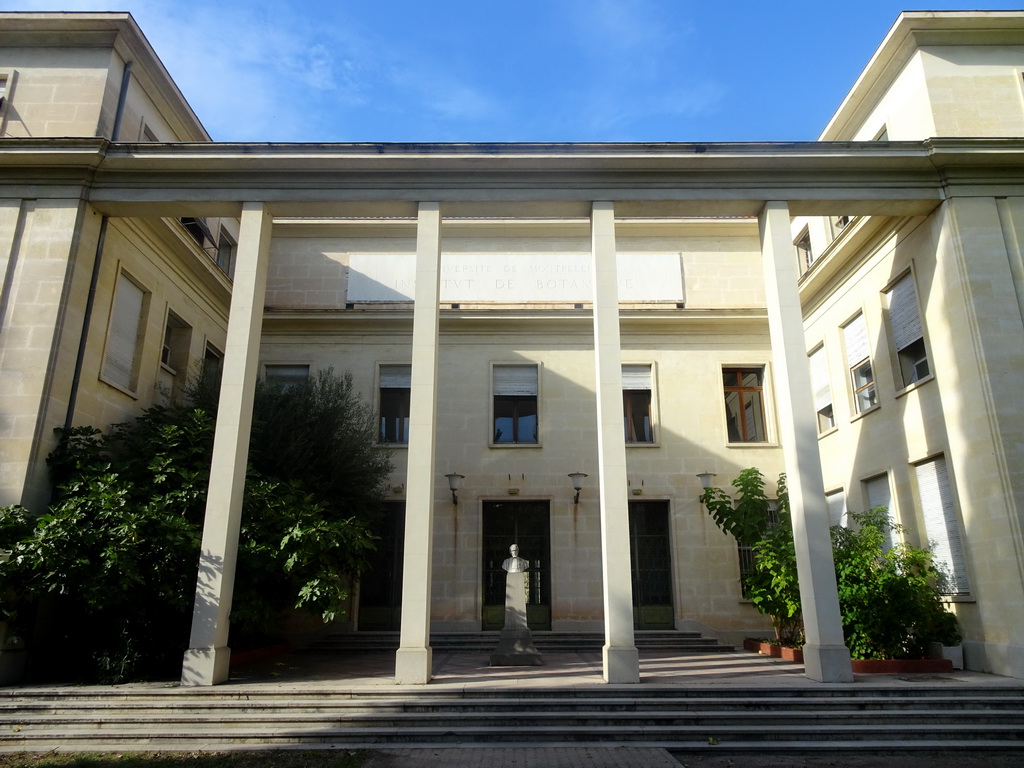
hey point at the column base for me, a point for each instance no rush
(414, 666)
(828, 663)
(621, 664)
(205, 666)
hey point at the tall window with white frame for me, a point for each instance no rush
(395, 390)
(822, 390)
(941, 525)
(637, 386)
(858, 358)
(124, 337)
(907, 334)
(515, 404)
(744, 404)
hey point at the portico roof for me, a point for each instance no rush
(650, 179)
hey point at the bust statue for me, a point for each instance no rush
(515, 564)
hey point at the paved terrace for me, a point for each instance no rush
(458, 670)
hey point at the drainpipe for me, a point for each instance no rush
(90, 301)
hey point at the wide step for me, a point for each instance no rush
(949, 717)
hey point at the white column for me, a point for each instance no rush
(413, 662)
(621, 660)
(826, 657)
(206, 661)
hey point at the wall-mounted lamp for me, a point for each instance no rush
(453, 485)
(705, 482)
(577, 484)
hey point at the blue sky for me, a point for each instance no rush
(532, 70)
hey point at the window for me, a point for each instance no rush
(744, 404)
(803, 248)
(878, 494)
(837, 512)
(515, 404)
(7, 80)
(905, 320)
(636, 403)
(746, 553)
(286, 376)
(822, 390)
(177, 335)
(213, 363)
(174, 356)
(940, 524)
(855, 334)
(199, 229)
(124, 337)
(225, 252)
(395, 387)
(839, 223)
(212, 367)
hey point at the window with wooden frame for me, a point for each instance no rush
(744, 404)
(907, 334)
(862, 375)
(637, 386)
(394, 395)
(515, 404)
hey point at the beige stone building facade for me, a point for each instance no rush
(516, 313)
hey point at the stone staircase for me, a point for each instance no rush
(861, 717)
(545, 642)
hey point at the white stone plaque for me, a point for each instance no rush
(515, 278)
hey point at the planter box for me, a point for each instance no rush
(955, 653)
(773, 650)
(901, 666)
(241, 658)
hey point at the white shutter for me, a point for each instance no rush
(515, 379)
(395, 376)
(837, 508)
(903, 313)
(940, 523)
(819, 379)
(880, 495)
(123, 340)
(856, 336)
(636, 377)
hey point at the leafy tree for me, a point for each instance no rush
(754, 519)
(115, 557)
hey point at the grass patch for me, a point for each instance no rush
(344, 758)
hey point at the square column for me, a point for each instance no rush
(826, 657)
(621, 659)
(206, 660)
(413, 661)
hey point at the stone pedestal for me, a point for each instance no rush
(515, 647)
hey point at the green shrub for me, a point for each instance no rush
(888, 597)
(109, 572)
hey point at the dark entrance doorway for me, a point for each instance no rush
(650, 552)
(380, 588)
(526, 523)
